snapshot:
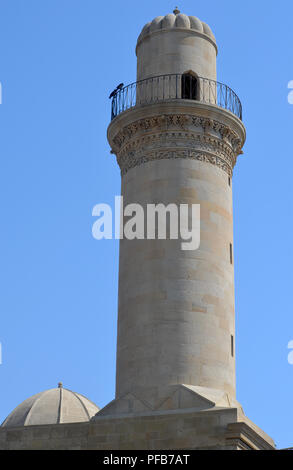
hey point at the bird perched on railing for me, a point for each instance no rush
(118, 88)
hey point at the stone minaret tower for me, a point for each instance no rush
(177, 133)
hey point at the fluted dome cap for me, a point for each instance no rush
(54, 406)
(176, 20)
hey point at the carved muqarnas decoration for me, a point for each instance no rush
(177, 136)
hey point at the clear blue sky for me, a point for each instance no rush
(59, 59)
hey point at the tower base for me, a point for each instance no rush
(189, 418)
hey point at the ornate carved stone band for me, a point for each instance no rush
(176, 136)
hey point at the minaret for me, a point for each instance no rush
(177, 133)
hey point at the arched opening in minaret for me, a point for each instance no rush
(189, 85)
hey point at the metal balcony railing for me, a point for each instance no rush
(173, 87)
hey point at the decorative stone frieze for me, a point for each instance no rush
(171, 136)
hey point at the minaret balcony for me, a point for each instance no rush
(175, 87)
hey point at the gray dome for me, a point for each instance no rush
(54, 406)
(176, 20)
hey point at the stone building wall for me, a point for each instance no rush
(212, 429)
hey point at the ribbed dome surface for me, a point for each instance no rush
(54, 406)
(178, 20)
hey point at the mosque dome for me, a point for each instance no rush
(176, 20)
(54, 406)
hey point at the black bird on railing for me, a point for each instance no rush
(118, 88)
(114, 92)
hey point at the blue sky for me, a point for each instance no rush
(59, 60)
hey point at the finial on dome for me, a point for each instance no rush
(176, 11)
(60, 385)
